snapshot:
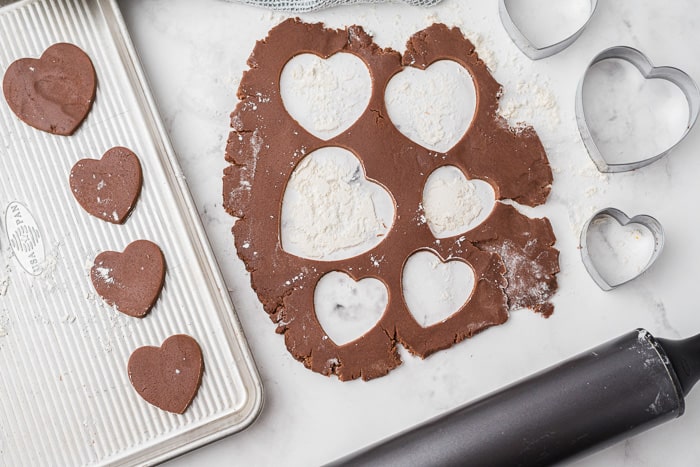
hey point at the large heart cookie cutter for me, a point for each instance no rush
(621, 218)
(678, 77)
(526, 46)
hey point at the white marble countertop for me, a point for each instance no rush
(194, 54)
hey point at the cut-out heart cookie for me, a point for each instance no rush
(109, 187)
(326, 96)
(168, 376)
(533, 50)
(435, 289)
(616, 249)
(347, 309)
(55, 92)
(606, 162)
(130, 281)
(420, 107)
(330, 210)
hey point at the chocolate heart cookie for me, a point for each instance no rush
(108, 188)
(130, 281)
(168, 376)
(54, 93)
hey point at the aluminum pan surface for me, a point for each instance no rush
(65, 396)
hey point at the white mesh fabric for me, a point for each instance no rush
(300, 6)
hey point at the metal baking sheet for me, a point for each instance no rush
(65, 395)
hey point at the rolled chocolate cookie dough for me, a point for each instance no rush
(511, 255)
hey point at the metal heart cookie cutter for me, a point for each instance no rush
(648, 222)
(633, 56)
(526, 46)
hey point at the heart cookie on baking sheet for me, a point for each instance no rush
(130, 281)
(168, 376)
(108, 188)
(54, 93)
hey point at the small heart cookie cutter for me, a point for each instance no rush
(526, 46)
(621, 218)
(674, 75)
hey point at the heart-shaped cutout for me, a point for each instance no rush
(325, 96)
(55, 92)
(434, 289)
(330, 211)
(347, 309)
(541, 28)
(168, 376)
(631, 113)
(616, 249)
(432, 107)
(108, 188)
(130, 281)
(454, 205)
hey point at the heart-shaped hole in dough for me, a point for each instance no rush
(546, 22)
(434, 289)
(330, 211)
(432, 107)
(454, 205)
(619, 252)
(632, 118)
(325, 96)
(347, 309)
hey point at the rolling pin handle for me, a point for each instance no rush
(685, 359)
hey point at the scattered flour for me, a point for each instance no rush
(4, 285)
(48, 268)
(330, 211)
(520, 272)
(325, 96)
(531, 99)
(105, 274)
(450, 202)
(4, 325)
(433, 107)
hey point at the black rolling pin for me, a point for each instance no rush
(588, 402)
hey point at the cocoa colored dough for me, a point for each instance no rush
(109, 187)
(130, 281)
(168, 376)
(54, 93)
(512, 256)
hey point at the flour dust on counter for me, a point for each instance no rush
(397, 196)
